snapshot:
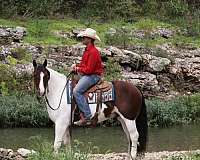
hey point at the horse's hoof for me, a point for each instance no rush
(133, 155)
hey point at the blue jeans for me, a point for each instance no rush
(85, 82)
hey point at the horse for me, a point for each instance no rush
(128, 107)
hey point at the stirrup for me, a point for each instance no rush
(82, 122)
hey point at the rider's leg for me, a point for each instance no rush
(84, 83)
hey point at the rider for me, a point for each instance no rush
(90, 69)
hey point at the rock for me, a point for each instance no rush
(153, 33)
(165, 83)
(155, 64)
(22, 69)
(25, 152)
(163, 32)
(111, 32)
(4, 52)
(106, 52)
(77, 31)
(115, 51)
(64, 34)
(136, 33)
(9, 154)
(134, 59)
(20, 31)
(8, 35)
(3, 152)
(144, 80)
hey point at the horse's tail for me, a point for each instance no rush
(142, 127)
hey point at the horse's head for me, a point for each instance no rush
(41, 77)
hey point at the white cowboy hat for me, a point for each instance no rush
(89, 32)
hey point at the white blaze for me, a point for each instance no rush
(41, 85)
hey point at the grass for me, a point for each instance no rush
(44, 151)
(42, 31)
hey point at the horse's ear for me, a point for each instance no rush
(34, 63)
(45, 63)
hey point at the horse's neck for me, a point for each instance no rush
(56, 84)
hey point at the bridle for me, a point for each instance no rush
(47, 101)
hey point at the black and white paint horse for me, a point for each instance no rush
(128, 107)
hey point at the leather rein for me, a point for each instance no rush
(54, 109)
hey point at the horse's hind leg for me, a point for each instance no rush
(131, 127)
(126, 132)
(60, 129)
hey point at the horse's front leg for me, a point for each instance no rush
(67, 138)
(60, 129)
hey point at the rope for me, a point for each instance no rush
(61, 94)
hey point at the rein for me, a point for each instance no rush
(54, 109)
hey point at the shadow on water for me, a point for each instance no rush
(109, 139)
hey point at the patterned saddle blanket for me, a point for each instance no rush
(104, 89)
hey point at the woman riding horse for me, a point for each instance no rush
(90, 69)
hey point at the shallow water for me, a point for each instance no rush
(109, 138)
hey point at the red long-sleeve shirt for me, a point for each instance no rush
(91, 61)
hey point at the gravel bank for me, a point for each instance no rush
(21, 154)
(148, 156)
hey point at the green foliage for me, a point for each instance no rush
(182, 110)
(10, 82)
(21, 54)
(22, 110)
(175, 7)
(7, 79)
(166, 8)
(44, 151)
(38, 28)
(4, 89)
(112, 70)
(112, 10)
(11, 60)
(122, 37)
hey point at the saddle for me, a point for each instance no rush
(97, 90)
(101, 85)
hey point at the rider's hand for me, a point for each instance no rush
(73, 67)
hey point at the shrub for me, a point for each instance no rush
(22, 110)
(112, 70)
(7, 79)
(39, 28)
(21, 54)
(10, 82)
(182, 110)
(121, 38)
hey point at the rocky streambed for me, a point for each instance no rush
(22, 154)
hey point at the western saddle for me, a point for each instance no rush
(101, 86)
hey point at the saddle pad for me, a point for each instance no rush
(92, 98)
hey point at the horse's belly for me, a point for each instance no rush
(101, 113)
